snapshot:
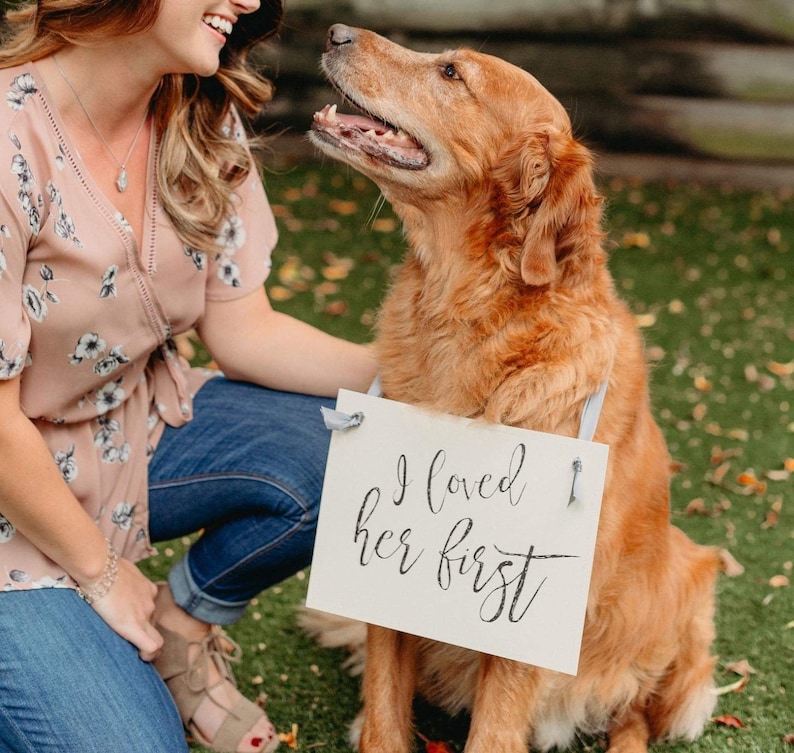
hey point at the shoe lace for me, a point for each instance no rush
(222, 651)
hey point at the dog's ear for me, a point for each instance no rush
(543, 178)
(539, 259)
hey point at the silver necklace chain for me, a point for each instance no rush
(121, 178)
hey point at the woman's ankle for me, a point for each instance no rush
(170, 615)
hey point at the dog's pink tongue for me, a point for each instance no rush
(347, 124)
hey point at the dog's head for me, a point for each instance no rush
(467, 129)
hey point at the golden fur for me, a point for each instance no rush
(504, 310)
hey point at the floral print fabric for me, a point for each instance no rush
(87, 317)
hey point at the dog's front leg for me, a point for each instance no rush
(504, 701)
(388, 690)
(629, 733)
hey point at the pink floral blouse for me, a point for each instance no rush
(87, 316)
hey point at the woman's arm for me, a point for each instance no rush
(38, 502)
(251, 342)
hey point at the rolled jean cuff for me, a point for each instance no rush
(196, 603)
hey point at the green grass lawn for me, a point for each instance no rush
(708, 272)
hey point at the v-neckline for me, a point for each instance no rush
(145, 243)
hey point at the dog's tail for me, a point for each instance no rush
(333, 631)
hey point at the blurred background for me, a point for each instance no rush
(691, 89)
(706, 84)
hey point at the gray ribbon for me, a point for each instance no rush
(338, 421)
(335, 420)
(587, 427)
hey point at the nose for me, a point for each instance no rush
(338, 35)
(247, 6)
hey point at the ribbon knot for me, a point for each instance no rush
(336, 420)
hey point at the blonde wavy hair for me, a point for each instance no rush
(200, 160)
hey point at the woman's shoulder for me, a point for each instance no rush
(18, 84)
(25, 126)
(25, 110)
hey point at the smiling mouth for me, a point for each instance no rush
(221, 25)
(368, 134)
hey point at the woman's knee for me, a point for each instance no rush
(69, 683)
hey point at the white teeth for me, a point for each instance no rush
(327, 115)
(371, 132)
(389, 134)
(221, 24)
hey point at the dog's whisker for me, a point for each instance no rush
(375, 211)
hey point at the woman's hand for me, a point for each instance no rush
(128, 606)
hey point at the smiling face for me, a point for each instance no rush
(430, 121)
(190, 34)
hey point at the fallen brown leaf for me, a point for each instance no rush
(703, 385)
(729, 721)
(340, 206)
(719, 474)
(747, 478)
(770, 520)
(326, 288)
(335, 308)
(336, 272)
(741, 667)
(290, 739)
(635, 240)
(734, 687)
(384, 225)
(781, 369)
(718, 455)
(696, 506)
(280, 293)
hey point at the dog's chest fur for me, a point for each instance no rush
(474, 343)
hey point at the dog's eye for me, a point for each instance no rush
(450, 71)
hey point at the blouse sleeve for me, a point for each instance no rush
(15, 234)
(245, 242)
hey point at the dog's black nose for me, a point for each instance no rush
(338, 35)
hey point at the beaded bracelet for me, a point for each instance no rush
(106, 581)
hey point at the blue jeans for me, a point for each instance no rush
(69, 684)
(248, 470)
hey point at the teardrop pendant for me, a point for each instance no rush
(121, 181)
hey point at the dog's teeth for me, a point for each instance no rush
(331, 113)
(389, 134)
(371, 132)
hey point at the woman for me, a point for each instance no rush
(131, 211)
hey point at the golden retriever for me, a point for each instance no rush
(504, 310)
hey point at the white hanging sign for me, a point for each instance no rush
(460, 531)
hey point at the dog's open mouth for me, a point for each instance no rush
(376, 138)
